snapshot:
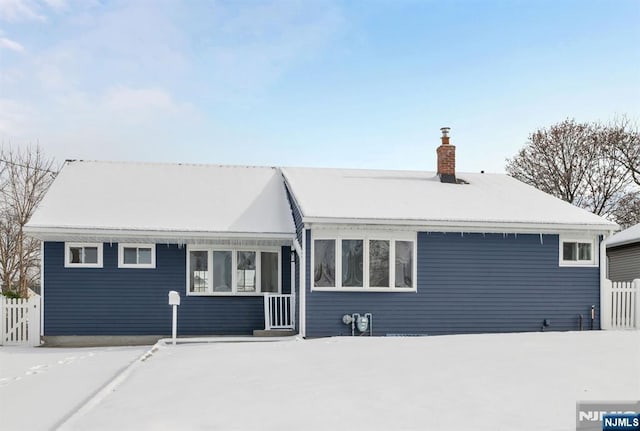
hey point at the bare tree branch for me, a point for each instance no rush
(25, 176)
(590, 165)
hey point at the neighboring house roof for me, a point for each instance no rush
(627, 236)
(169, 199)
(489, 202)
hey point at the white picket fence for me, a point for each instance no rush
(620, 305)
(20, 321)
(279, 311)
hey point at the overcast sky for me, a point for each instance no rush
(310, 83)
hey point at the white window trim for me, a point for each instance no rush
(234, 267)
(121, 263)
(365, 236)
(593, 262)
(67, 254)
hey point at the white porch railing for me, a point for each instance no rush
(20, 321)
(620, 304)
(279, 311)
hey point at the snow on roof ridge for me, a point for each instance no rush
(222, 165)
(387, 170)
(187, 164)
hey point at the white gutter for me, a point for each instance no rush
(48, 233)
(461, 226)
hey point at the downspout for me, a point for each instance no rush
(303, 285)
(298, 250)
(41, 287)
(604, 306)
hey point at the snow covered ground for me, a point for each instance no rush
(40, 387)
(525, 381)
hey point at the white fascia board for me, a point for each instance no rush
(63, 233)
(457, 226)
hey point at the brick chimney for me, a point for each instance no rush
(446, 158)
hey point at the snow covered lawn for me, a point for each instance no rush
(40, 387)
(525, 381)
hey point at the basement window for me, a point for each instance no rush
(577, 252)
(83, 255)
(136, 256)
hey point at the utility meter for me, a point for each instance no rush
(363, 323)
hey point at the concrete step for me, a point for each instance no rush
(273, 332)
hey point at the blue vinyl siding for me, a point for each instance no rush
(471, 283)
(118, 301)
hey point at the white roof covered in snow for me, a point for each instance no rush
(626, 236)
(118, 196)
(415, 197)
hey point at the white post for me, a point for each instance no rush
(2, 307)
(636, 288)
(174, 325)
(605, 304)
(267, 317)
(34, 320)
(174, 301)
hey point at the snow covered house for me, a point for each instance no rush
(623, 254)
(254, 248)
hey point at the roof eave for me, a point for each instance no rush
(53, 233)
(468, 226)
(623, 243)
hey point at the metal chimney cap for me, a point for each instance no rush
(445, 131)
